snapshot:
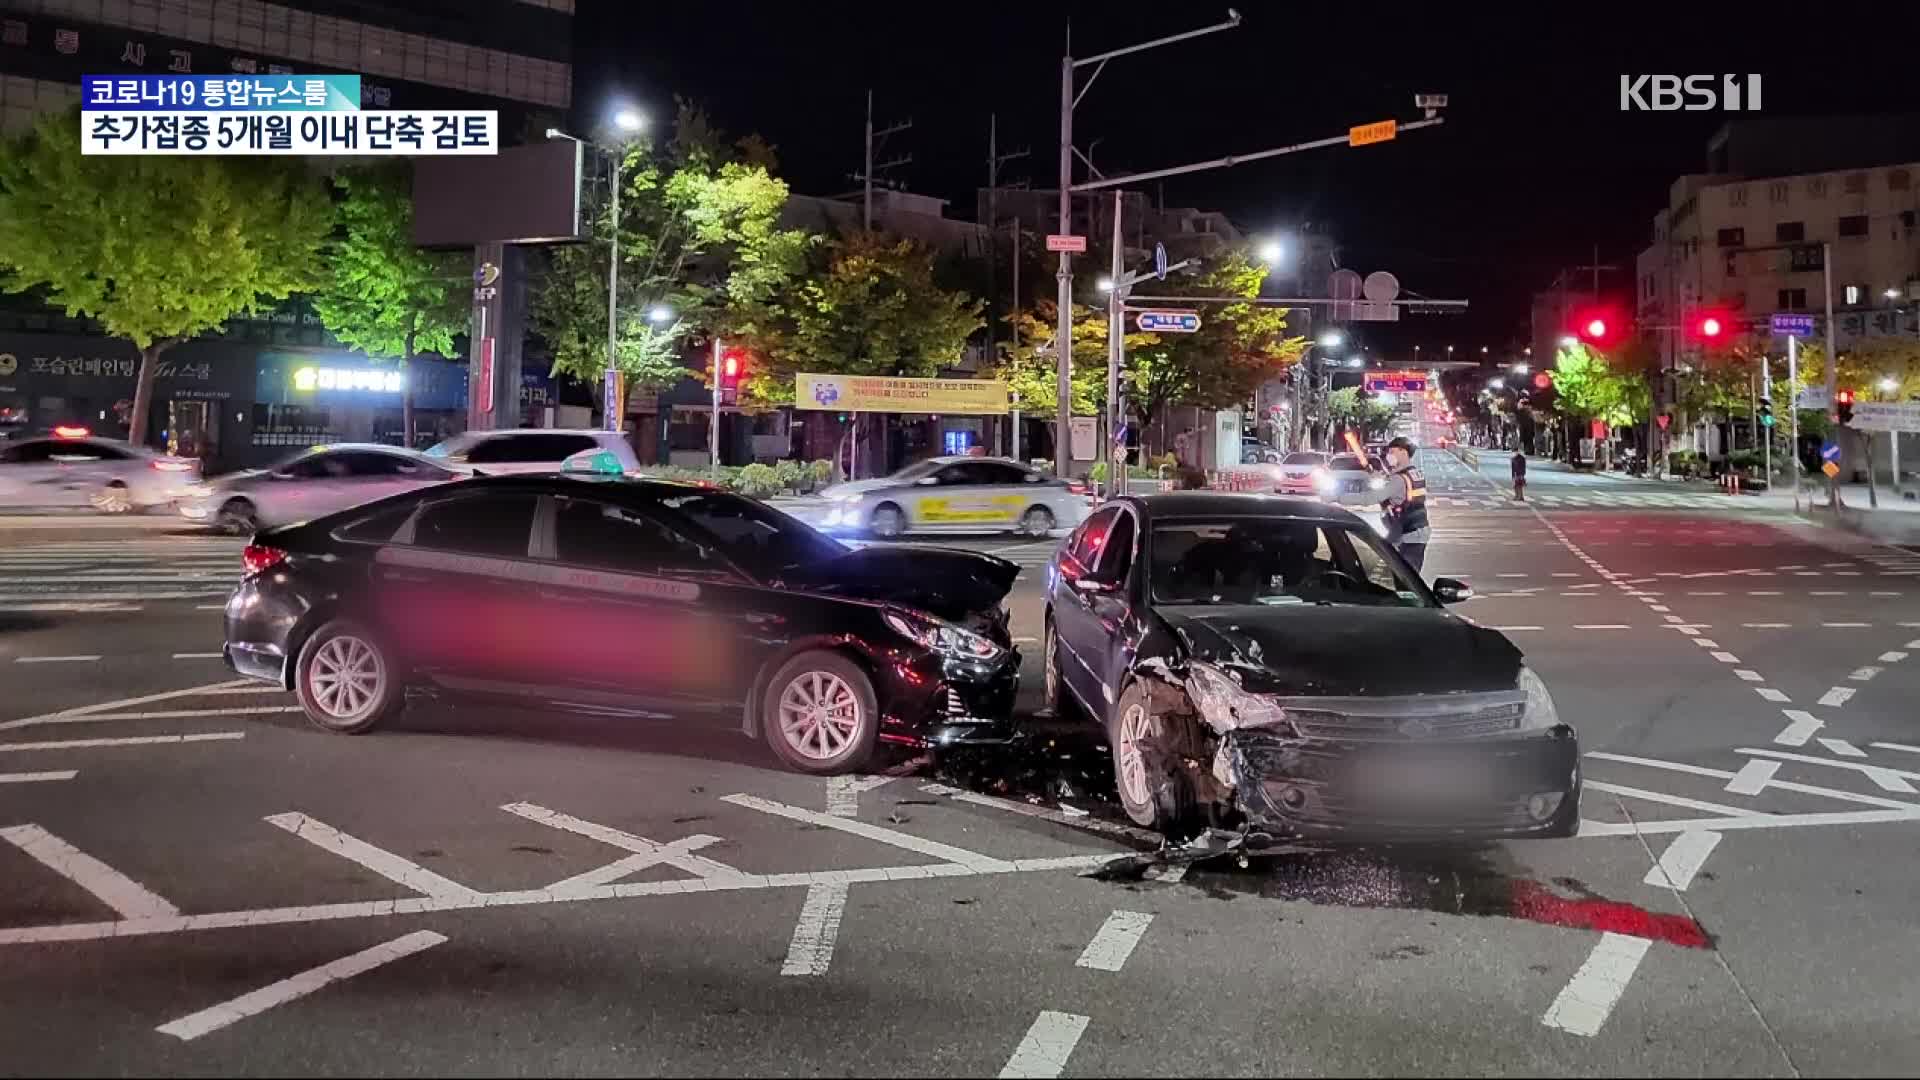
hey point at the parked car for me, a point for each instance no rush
(525, 450)
(1270, 665)
(73, 468)
(309, 484)
(1300, 472)
(622, 596)
(956, 495)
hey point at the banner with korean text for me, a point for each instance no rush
(879, 393)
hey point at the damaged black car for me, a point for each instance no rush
(1269, 667)
(627, 597)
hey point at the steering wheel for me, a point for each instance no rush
(1338, 580)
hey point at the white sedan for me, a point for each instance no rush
(72, 468)
(955, 495)
(310, 484)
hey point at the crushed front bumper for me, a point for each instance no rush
(943, 701)
(1521, 785)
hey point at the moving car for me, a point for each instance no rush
(1268, 663)
(73, 468)
(956, 495)
(309, 484)
(1349, 481)
(624, 596)
(529, 450)
(1300, 472)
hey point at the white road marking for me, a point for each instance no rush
(55, 659)
(1585, 1003)
(843, 793)
(385, 863)
(1514, 629)
(132, 740)
(1845, 625)
(1842, 747)
(69, 607)
(1865, 673)
(676, 855)
(1662, 608)
(1601, 626)
(1076, 820)
(1044, 1049)
(210, 1020)
(1706, 594)
(1706, 643)
(109, 886)
(1729, 824)
(1764, 592)
(1825, 592)
(197, 655)
(1752, 777)
(230, 686)
(1767, 625)
(1892, 657)
(37, 777)
(1897, 746)
(1771, 694)
(1801, 729)
(1725, 657)
(1886, 779)
(1683, 859)
(1836, 697)
(209, 607)
(970, 859)
(1748, 674)
(1670, 800)
(1114, 941)
(1566, 573)
(173, 714)
(811, 950)
(632, 864)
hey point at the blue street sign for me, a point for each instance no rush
(1793, 325)
(1830, 451)
(1160, 261)
(610, 397)
(1168, 322)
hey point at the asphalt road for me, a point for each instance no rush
(193, 881)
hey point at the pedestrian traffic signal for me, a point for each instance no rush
(1766, 413)
(733, 366)
(1843, 405)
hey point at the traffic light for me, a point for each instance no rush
(733, 365)
(1766, 413)
(1709, 326)
(1600, 327)
(1843, 405)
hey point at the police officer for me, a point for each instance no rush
(1405, 507)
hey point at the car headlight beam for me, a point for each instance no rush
(1540, 710)
(941, 637)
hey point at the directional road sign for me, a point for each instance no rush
(1168, 322)
(1160, 261)
(1830, 469)
(1793, 325)
(1829, 451)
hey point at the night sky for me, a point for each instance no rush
(1535, 165)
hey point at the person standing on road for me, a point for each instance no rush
(1405, 507)
(1520, 476)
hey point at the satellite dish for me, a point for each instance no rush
(1381, 286)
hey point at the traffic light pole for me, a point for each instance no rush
(713, 429)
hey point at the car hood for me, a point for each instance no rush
(1349, 651)
(945, 582)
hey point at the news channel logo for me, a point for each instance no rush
(1689, 93)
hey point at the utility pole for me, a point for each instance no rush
(1013, 324)
(995, 159)
(1116, 357)
(866, 174)
(1833, 377)
(1063, 293)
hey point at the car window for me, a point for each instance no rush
(542, 447)
(1346, 462)
(379, 527)
(27, 453)
(759, 539)
(309, 467)
(993, 472)
(1116, 551)
(498, 524)
(1274, 561)
(1302, 457)
(914, 471)
(607, 536)
(1086, 544)
(956, 475)
(365, 463)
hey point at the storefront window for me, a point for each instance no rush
(292, 425)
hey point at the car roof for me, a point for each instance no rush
(500, 433)
(567, 483)
(1202, 504)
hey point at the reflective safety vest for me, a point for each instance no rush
(1409, 516)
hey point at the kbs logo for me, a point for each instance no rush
(1693, 93)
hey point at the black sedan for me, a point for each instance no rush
(637, 597)
(1268, 664)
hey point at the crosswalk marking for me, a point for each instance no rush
(117, 575)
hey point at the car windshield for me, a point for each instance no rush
(757, 538)
(1346, 463)
(1276, 561)
(915, 471)
(1303, 458)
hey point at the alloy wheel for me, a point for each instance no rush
(820, 715)
(346, 678)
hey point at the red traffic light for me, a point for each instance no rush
(1542, 380)
(1710, 326)
(1596, 328)
(1844, 397)
(732, 365)
(1600, 326)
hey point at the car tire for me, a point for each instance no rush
(1037, 521)
(112, 498)
(1059, 700)
(795, 714)
(1131, 721)
(346, 679)
(238, 517)
(888, 521)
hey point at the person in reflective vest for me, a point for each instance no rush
(1405, 507)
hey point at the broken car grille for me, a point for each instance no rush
(1410, 724)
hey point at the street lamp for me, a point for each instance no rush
(626, 120)
(660, 313)
(1889, 384)
(1520, 369)
(1331, 339)
(1272, 252)
(1105, 284)
(1568, 341)
(1891, 293)
(1356, 361)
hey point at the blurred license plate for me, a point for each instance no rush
(1416, 780)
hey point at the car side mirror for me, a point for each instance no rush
(1451, 590)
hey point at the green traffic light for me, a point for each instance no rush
(1766, 420)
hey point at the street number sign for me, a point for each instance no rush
(1060, 242)
(1168, 322)
(1377, 132)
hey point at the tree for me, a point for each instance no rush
(1587, 385)
(1031, 371)
(155, 249)
(1238, 346)
(1351, 408)
(868, 305)
(384, 296)
(699, 238)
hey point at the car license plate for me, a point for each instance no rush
(1423, 780)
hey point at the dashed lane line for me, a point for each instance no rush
(1589, 998)
(207, 1021)
(1115, 941)
(1893, 780)
(811, 950)
(37, 777)
(132, 740)
(107, 885)
(1045, 1048)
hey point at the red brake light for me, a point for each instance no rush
(71, 431)
(259, 557)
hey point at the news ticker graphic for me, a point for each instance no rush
(220, 93)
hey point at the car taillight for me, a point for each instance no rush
(259, 557)
(168, 465)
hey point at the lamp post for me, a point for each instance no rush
(625, 121)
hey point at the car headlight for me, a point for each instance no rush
(1377, 483)
(1223, 705)
(1540, 711)
(942, 637)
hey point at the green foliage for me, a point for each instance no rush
(867, 305)
(759, 481)
(383, 295)
(820, 472)
(1238, 347)
(789, 474)
(1351, 409)
(1588, 386)
(1030, 371)
(155, 249)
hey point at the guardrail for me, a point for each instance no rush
(1467, 455)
